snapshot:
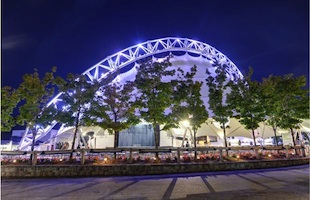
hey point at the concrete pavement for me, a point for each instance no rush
(280, 183)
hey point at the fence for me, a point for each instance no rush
(167, 154)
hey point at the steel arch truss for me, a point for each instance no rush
(131, 55)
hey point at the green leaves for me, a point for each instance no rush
(218, 84)
(9, 101)
(246, 98)
(287, 101)
(77, 95)
(188, 104)
(34, 93)
(113, 108)
(154, 94)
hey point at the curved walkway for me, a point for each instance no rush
(280, 183)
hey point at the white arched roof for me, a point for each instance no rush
(196, 52)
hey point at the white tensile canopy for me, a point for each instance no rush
(235, 128)
(305, 126)
(211, 128)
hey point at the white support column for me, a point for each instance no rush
(182, 145)
(192, 138)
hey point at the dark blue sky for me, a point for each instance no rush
(270, 35)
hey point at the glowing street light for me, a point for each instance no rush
(185, 123)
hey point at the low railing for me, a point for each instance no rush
(177, 154)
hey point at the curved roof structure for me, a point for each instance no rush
(187, 52)
(154, 47)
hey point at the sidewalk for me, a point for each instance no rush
(281, 183)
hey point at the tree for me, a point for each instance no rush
(295, 103)
(288, 101)
(188, 104)
(34, 93)
(272, 102)
(9, 101)
(218, 96)
(113, 108)
(247, 98)
(77, 95)
(155, 94)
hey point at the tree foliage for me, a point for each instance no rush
(113, 108)
(218, 96)
(9, 101)
(287, 101)
(77, 95)
(34, 93)
(155, 93)
(188, 104)
(247, 98)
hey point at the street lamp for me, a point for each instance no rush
(185, 123)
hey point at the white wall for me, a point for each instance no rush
(104, 141)
(165, 140)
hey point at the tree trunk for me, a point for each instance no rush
(292, 133)
(195, 152)
(156, 132)
(275, 134)
(155, 138)
(254, 137)
(224, 131)
(75, 132)
(73, 143)
(34, 134)
(116, 134)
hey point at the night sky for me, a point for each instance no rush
(272, 36)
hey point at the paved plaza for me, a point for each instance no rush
(280, 183)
